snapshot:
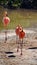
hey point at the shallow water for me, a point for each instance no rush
(27, 18)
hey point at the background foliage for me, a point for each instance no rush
(19, 3)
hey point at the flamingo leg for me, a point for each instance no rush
(21, 46)
(5, 36)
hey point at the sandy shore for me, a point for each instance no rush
(29, 56)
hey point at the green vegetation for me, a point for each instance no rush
(29, 4)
